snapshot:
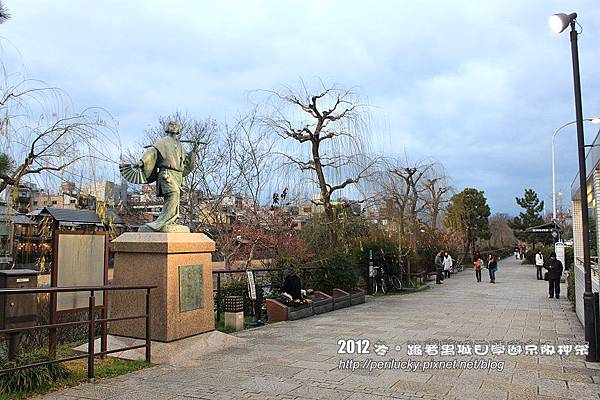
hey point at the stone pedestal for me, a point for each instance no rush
(180, 264)
(234, 320)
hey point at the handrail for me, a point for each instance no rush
(91, 322)
(62, 289)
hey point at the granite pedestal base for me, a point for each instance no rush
(181, 267)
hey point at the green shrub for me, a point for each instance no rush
(281, 264)
(571, 286)
(569, 257)
(385, 254)
(340, 270)
(546, 250)
(30, 379)
(529, 257)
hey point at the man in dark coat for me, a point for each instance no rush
(555, 269)
(292, 285)
(439, 268)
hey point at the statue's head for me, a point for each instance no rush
(173, 127)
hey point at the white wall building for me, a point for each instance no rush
(592, 163)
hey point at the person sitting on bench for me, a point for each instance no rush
(291, 290)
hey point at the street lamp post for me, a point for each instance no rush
(558, 23)
(593, 121)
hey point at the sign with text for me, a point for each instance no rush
(191, 293)
(251, 285)
(81, 261)
(559, 249)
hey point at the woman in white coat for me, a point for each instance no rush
(447, 265)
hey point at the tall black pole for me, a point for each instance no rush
(588, 297)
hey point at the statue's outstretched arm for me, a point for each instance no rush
(143, 171)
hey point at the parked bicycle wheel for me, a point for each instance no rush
(383, 286)
(395, 283)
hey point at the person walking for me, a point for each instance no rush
(439, 268)
(555, 269)
(539, 264)
(492, 267)
(478, 264)
(447, 265)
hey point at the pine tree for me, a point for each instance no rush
(468, 212)
(531, 216)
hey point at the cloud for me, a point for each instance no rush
(480, 86)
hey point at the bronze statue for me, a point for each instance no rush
(166, 163)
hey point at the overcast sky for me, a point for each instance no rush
(479, 85)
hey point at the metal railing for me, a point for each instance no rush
(218, 291)
(593, 265)
(91, 322)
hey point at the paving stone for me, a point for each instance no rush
(314, 392)
(298, 359)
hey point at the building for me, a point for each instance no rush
(592, 162)
(106, 192)
(19, 198)
(13, 226)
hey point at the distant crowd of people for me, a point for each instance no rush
(554, 268)
(444, 266)
(520, 252)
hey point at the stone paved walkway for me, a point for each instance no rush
(299, 360)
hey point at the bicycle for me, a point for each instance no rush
(383, 281)
(457, 265)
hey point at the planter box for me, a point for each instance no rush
(322, 302)
(303, 311)
(357, 297)
(341, 299)
(277, 311)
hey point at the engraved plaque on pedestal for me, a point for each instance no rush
(191, 293)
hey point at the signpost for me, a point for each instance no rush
(559, 249)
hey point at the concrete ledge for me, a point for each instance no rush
(187, 352)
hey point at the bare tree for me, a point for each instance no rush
(328, 131)
(501, 234)
(42, 136)
(214, 176)
(437, 188)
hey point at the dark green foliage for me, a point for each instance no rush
(530, 216)
(340, 270)
(571, 286)
(30, 379)
(468, 212)
(6, 162)
(385, 254)
(238, 286)
(546, 250)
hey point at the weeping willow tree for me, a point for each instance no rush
(323, 136)
(40, 135)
